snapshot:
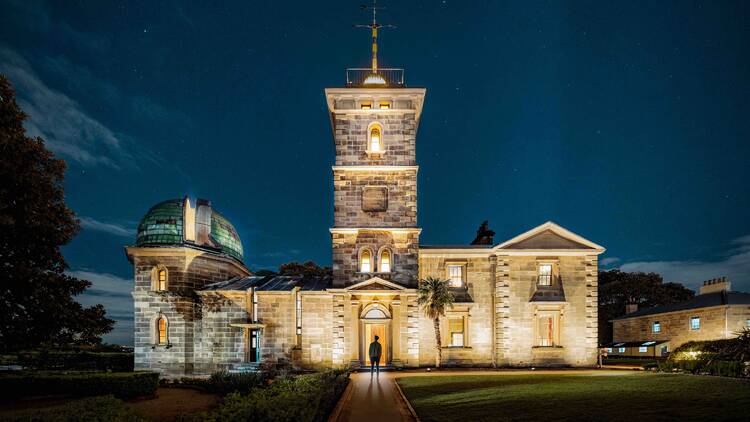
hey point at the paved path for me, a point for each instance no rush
(376, 399)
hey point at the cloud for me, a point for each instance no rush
(609, 261)
(735, 265)
(67, 129)
(89, 223)
(114, 293)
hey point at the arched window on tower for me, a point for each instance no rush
(162, 279)
(375, 138)
(161, 330)
(385, 261)
(159, 278)
(365, 261)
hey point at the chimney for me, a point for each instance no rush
(484, 235)
(630, 308)
(715, 285)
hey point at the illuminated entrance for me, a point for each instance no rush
(375, 322)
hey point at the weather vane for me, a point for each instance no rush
(374, 26)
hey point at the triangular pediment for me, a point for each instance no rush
(376, 283)
(549, 236)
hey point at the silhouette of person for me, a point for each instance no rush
(375, 351)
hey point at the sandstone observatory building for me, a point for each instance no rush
(527, 301)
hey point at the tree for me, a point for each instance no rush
(618, 289)
(308, 269)
(37, 304)
(434, 297)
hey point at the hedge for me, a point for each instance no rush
(304, 398)
(715, 367)
(124, 385)
(92, 409)
(75, 360)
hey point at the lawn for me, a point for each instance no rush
(626, 397)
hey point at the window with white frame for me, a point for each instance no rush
(385, 261)
(695, 323)
(656, 327)
(545, 275)
(642, 349)
(621, 350)
(365, 261)
(255, 306)
(375, 138)
(456, 275)
(298, 314)
(546, 332)
(609, 350)
(456, 331)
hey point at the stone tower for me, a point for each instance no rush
(375, 119)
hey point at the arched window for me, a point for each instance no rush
(375, 313)
(375, 138)
(161, 330)
(365, 261)
(385, 261)
(159, 278)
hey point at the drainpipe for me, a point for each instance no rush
(494, 313)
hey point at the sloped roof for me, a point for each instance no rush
(272, 283)
(549, 236)
(700, 301)
(647, 343)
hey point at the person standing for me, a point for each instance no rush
(376, 350)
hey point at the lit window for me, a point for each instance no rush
(375, 139)
(385, 261)
(643, 349)
(162, 277)
(546, 331)
(456, 331)
(365, 261)
(621, 350)
(298, 308)
(375, 313)
(385, 105)
(161, 330)
(656, 327)
(545, 275)
(747, 322)
(255, 306)
(609, 350)
(455, 275)
(365, 105)
(695, 323)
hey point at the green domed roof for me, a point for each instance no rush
(163, 225)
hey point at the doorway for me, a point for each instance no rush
(252, 345)
(372, 330)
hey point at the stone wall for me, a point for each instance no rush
(401, 209)
(717, 322)
(187, 270)
(347, 246)
(317, 330)
(219, 345)
(398, 138)
(276, 310)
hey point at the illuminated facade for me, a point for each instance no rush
(529, 301)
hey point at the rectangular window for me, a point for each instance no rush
(621, 350)
(695, 323)
(545, 275)
(609, 350)
(643, 349)
(747, 322)
(298, 308)
(162, 280)
(365, 105)
(456, 331)
(546, 331)
(385, 105)
(656, 327)
(255, 306)
(455, 275)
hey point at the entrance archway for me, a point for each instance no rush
(375, 320)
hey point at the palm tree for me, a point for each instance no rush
(434, 297)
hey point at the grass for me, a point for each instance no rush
(627, 397)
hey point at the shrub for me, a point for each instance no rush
(224, 383)
(76, 360)
(123, 385)
(304, 398)
(708, 367)
(95, 409)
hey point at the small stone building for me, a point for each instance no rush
(715, 313)
(527, 301)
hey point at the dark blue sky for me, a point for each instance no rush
(626, 123)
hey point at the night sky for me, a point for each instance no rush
(626, 123)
